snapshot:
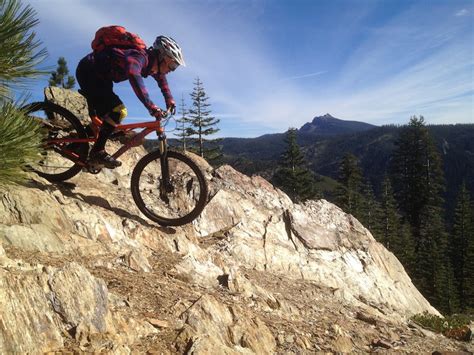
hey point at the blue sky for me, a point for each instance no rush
(272, 64)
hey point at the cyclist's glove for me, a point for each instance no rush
(156, 112)
(171, 106)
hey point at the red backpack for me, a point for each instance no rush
(116, 36)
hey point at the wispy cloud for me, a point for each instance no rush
(462, 12)
(431, 87)
(305, 75)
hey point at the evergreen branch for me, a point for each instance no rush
(19, 52)
(20, 140)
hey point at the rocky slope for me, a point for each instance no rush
(81, 269)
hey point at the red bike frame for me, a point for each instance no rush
(148, 127)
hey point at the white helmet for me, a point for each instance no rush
(168, 46)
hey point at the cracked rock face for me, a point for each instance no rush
(92, 222)
(315, 241)
(210, 325)
(40, 304)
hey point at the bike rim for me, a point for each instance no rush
(57, 158)
(173, 200)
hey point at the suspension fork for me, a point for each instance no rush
(165, 171)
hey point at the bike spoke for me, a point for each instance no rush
(175, 201)
(59, 157)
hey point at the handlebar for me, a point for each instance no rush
(166, 114)
(163, 114)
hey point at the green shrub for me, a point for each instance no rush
(20, 136)
(452, 326)
(20, 139)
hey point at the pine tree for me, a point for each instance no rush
(469, 266)
(433, 273)
(390, 217)
(60, 77)
(348, 194)
(20, 136)
(419, 186)
(395, 235)
(203, 124)
(183, 129)
(461, 238)
(417, 174)
(292, 176)
(370, 211)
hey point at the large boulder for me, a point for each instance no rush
(210, 325)
(39, 305)
(69, 99)
(315, 241)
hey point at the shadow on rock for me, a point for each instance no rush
(36, 184)
(102, 202)
(67, 189)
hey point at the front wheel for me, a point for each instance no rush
(174, 202)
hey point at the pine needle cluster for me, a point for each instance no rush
(20, 137)
(20, 53)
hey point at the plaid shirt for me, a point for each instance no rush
(122, 64)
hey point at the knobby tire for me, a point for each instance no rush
(52, 108)
(166, 221)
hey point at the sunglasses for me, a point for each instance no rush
(173, 65)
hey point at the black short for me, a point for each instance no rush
(97, 90)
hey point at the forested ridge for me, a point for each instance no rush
(410, 185)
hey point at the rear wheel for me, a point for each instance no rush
(58, 161)
(169, 203)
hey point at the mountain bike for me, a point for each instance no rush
(167, 186)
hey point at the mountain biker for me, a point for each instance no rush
(97, 72)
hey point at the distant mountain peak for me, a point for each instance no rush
(324, 117)
(330, 125)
